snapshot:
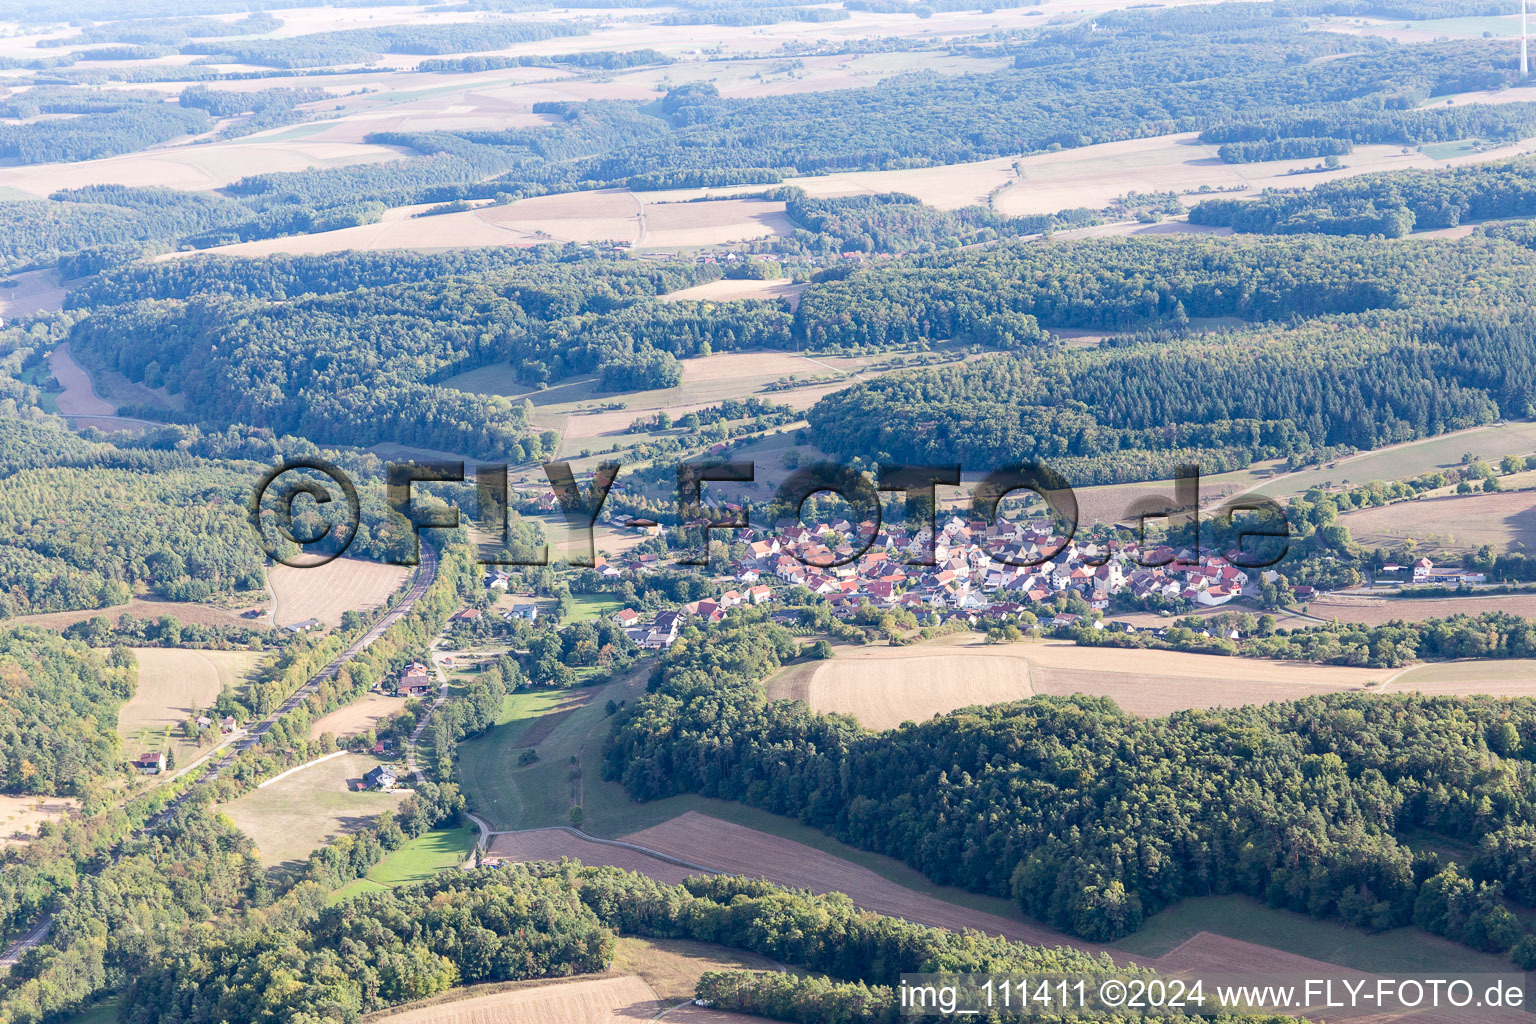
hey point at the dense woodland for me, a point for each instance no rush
(1092, 819)
(317, 366)
(547, 920)
(58, 721)
(1390, 204)
(1387, 351)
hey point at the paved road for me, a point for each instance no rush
(425, 574)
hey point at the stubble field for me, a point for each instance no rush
(173, 681)
(325, 592)
(884, 686)
(583, 1001)
(1501, 520)
(358, 717)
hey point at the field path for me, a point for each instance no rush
(421, 726)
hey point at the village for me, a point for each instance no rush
(970, 570)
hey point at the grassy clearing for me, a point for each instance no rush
(1447, 150)
(586, 607)
(1470, 27)
(104, 1012)
(418, 860)
(508, 794)
(298, 814)
(1411, 459)
(1401, 950)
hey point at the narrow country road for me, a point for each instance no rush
(421, 726)
(426, 573)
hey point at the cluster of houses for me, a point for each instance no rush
(979, 570)
(988, 569)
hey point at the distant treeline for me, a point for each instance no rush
(1391, 203)
(351, 46)
(607, 60)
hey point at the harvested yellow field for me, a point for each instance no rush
(604, 215)
(1504, 520)
(883, 693)
(1094, 176)
(672, 967)
(599, 1000)
(79, 397)
(873, 682)
(199, 167)
(298, 813)
(21, 815)
(399, 228)
(738, 850)
(947, 188)
(357, 717)
(173, 681)
(609, 215)
(728, 290)
(1374, 611)
(1505, 677)
(325, 592)
(36, 291)
(679, 225)
(735, 365)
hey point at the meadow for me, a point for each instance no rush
(289, 818)
(442, 849)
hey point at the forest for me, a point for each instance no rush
(1092, 819)
(359, 45)
(549, 920)
(1391, 349)
(312, 366)
(58, 721)
(1389, 203)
